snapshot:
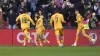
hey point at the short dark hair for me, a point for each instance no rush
(24, 10)
(76, 10)
(56, 11)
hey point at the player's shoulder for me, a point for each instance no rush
(41, 16)
(60, 14)
(53, 15)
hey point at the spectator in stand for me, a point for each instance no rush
(45, 14)
(12, 6)
(44, 11)
(67, 2)
(5, 9)
(28, 5)
(1, 19)
(59, 3)
(98, 0)
(52, 2)
(87, 3)
(72, 16)
(64, 12)
(53, 9)
(93, 22)
(11, 19)
(97, 10)
(17, 3)
(88, 15)
(79, 5)
(33, 5)
(50, 5)
(20, 8)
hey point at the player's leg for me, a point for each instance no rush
(39, 36)
(62, 37)
(25, 39)
(58, 40)
(36, 40)
(27, 35)
(77, 37)
(62, 41)
(45, 40)
(84, 34)
(40, 39)
(58, 37)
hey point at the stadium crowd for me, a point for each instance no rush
(89, 9)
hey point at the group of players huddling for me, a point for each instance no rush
(56, 20)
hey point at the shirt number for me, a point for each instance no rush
(24, 20)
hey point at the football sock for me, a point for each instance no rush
(76, 39)
(40, 43)
(62, 41)
(58, 42)
(25, 39)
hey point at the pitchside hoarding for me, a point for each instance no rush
(15, 37)
(6, 37)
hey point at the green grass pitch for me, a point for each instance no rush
(49, 51)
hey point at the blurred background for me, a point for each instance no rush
(89, 9)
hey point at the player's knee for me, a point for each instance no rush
(57, 38)
(77, 34)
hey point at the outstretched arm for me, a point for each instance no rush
(30, 19)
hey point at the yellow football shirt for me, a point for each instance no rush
(24, 19)
(79, 20)
(57, 19)
(39, 23)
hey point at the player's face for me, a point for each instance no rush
(40, 12)
(36, 15)
(76, 12)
